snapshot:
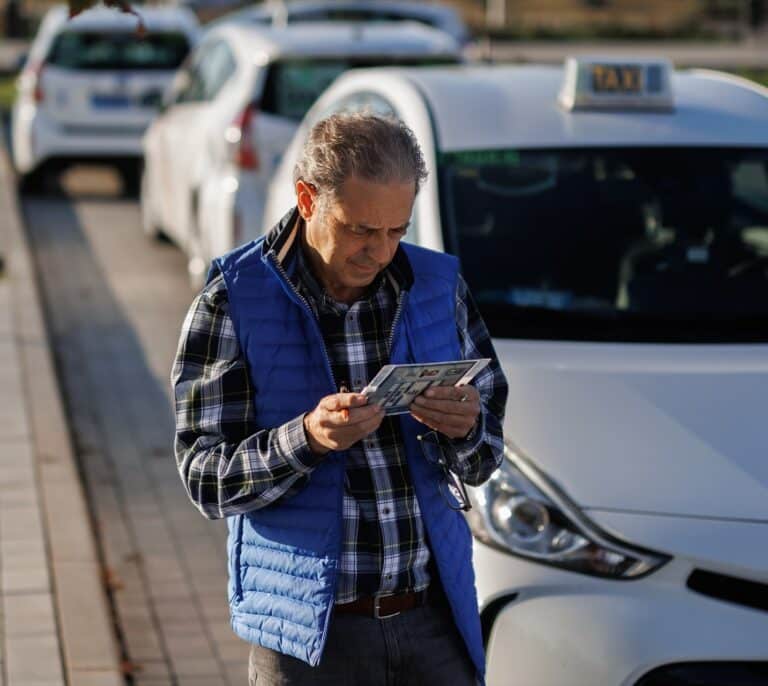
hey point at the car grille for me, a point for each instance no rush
(708, 674)
(121, 131)
(730, 588)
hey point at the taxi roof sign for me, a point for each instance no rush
(616, 83)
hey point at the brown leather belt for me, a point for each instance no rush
(383, 606)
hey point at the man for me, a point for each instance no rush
(349, 559)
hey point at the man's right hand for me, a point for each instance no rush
(341, 420)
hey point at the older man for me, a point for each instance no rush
(349, 559)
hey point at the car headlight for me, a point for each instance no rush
(522, 512)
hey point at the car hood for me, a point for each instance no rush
(666, 429)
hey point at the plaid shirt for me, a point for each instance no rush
(230, 467)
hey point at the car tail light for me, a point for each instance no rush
(240, 136)
(32, 81)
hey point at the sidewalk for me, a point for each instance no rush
(55, 625)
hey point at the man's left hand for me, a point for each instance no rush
(451, 410)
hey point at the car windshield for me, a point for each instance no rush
(109, 50)
(292, 86)
(635, 244)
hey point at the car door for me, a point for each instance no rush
(182, 143)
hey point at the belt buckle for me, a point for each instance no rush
(377, 606)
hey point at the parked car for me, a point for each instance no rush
(611, 219)
(91, 85)
(280, 13)
(235, 107)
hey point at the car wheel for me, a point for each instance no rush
(35, 182)
(130, 175)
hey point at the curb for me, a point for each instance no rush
(85, 628)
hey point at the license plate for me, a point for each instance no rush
(110, 100)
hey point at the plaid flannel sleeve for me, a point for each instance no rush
(478, 456)
(227, 465)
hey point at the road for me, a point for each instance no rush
(115, 302)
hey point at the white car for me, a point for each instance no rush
(611, 219)
(90, 87)
(280, 13)
(234, 108)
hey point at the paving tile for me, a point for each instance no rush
(79, 677)
(180, 630)
(221, 631)
(23, 555)
(170, 590)
(33, 659)
(141, 645)
(237, 672)
(29, 580)
(87, 637)
(17, 493)
(16, 461)
(71, 536)
(29, 615)
(12, 549)
(184, 666)
(20, 524)
(233, 652)
(167, 610)
(204, 681)
(197, 646)
(151, 670)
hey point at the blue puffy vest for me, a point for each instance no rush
(283, 558)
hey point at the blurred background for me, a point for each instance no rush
(131, 159)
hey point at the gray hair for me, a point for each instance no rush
(368, 146)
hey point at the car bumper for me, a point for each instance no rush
(37, 139)
(547, 627)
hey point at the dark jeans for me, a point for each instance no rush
(419, 647)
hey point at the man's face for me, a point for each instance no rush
(354, 236)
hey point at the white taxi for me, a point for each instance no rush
(91, 85)
(611, 218)
(233, 109)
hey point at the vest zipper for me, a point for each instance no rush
(329, 366)
(395, 321)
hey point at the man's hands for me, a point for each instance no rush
(441, 408)
(340, 420)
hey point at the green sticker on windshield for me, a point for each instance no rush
(482, 158)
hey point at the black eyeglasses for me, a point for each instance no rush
(452, 488)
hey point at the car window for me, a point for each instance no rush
(85, 50)
(292, 86)
(660, 244)
(211, 68)
(367, 102)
